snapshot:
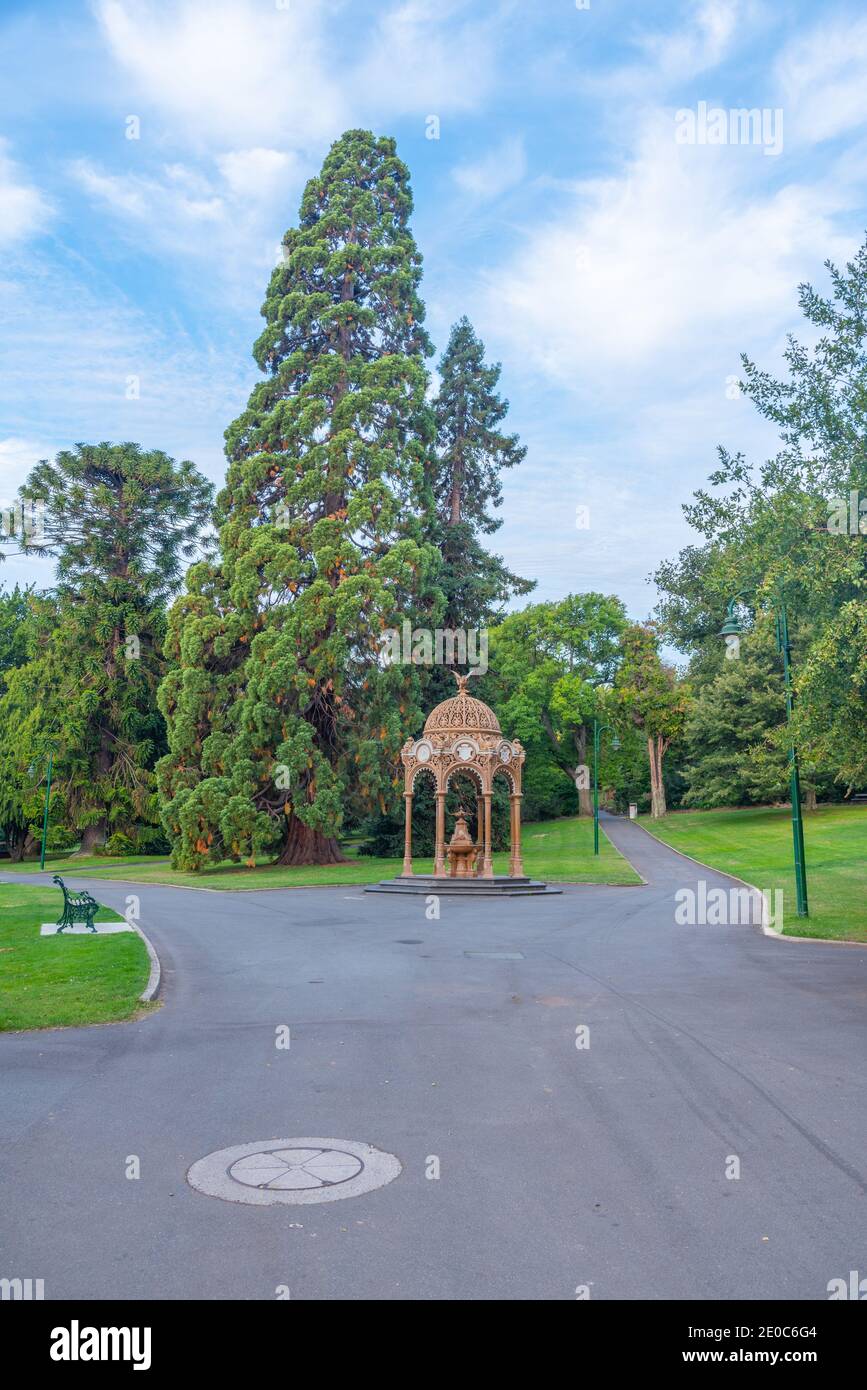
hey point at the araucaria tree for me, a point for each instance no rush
(121, 522)
(278, 707)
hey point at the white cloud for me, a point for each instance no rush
(674, 55)
(231, 216)
(823, 80)
(701, 45)
(228, 70)
(679, 257)
(17, 457)
(23, 209)
(496, 172)
(233, 72)
(424, 57)
(257, 173)
(252, 94)
(84, 343)
(146, 198)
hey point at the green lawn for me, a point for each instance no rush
(560, 851)
(66, 860)
(756, 845)
(49, 982)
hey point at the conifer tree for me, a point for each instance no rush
(321, 546)
(121, 522)
(473, 583)
(471, 455)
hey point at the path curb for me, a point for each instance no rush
(152, 988)
(763, 926)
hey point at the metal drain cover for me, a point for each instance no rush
(293, 1171)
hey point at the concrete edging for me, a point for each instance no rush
(152, 988)
(765, 929)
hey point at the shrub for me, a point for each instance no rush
(118, 845)
(151, 839)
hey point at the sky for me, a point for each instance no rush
(582, 192)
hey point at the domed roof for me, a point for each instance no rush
(462, 714)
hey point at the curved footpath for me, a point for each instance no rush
(560, 1166)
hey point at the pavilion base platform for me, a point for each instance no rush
(501, 886)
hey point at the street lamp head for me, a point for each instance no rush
(732, 627)
(615, 743)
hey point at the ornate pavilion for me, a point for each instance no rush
(463, 735)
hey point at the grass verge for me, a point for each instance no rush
(756, 844)
(57, 863)
(560, 851)
(63, 981)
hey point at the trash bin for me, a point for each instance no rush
(633, 810)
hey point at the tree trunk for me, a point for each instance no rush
(92, 837)
(657, 787)
(455, 498)
(810, 798)
(585, 794)
(16, 843)
(306, 846)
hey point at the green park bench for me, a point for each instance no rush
(77, 907)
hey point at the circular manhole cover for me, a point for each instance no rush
(293, 1171)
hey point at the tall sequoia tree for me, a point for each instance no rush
(320, 540)
(121, 522)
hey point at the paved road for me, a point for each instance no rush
(602, 1167)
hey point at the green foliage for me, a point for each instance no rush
(831, 713)
(120, 521)
(276, 704)
(772, 533)
(471, 454)
(473, 584)
(19, 721)
(651, 698)
(735, 734)
(15, 615)
(645, 689)
(150, 839)
(550, 663)
(118, 845)
(58, 837)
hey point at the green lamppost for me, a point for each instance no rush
(31, 770)
(733, 627)
(615, 744)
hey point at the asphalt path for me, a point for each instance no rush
(561, 1167)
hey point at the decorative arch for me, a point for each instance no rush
(423, 772)
(464, 735)
(514, 783)
(465, 771)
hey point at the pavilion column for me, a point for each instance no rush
(440, 843)
(407, 835)
(516, 867)
(487, 862)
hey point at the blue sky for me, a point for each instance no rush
(615, 270)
